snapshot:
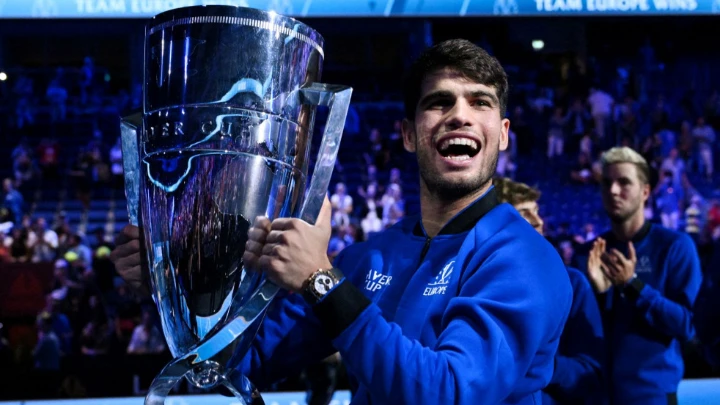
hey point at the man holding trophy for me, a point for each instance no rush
(448, 306)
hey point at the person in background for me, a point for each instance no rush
(646, 278)
(47, 350)
(577, 378)
(693, 219)
(146, 338)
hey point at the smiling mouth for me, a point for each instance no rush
(458, 148)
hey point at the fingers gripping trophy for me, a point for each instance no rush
(230, 95)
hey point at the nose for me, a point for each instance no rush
(614, 188)
(459, 114)
(537, 222)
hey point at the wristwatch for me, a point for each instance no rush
(320, 284)
(633, 287)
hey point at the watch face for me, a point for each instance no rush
(323, 284)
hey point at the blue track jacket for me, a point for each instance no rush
(646, 321)
(472, 316)
(578, 376)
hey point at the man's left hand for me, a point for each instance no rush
(620, 269)
(293, 249)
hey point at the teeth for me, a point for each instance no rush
(458, 141)
(458, 158)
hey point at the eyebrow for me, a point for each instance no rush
(621, 178)
(440, 94)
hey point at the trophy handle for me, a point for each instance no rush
(131, 164)
(337, 98)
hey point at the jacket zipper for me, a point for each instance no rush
(424, 251)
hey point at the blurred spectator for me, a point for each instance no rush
(57, 96)
(101, 239)
(49, 159)
(589, 233)
(393, 205)
(586, 144)
(582, 172)
(342, 206)
(80, 250)
(379, 154)
(24, 170)
(556, 134)
(59, 320)
(713, 222)
(17, 245)
(505, 165)
(116, 165)
(42, 241)
(685, 141)
(336, 243)
(704, 137)
(23, 91)
(668, 142)
(47, 350)
(660, 114)
(652, 150)
(578, 123)
(601, 105)
(94, 339)
(674, 165)
(82, 174)
(87, 76)
(146, 337)
(668, 201)
(693, 219)
(371, 212)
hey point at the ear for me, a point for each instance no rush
(504, 140)
(645, 193)
(409, 135)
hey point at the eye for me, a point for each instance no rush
(481, 103)
(440, 103)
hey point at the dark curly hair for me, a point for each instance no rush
(463, 56)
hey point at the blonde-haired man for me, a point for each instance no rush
(577, 377)
(646, 278)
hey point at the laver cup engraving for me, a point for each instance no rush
(225, 136)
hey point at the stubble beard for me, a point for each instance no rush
(452, 191)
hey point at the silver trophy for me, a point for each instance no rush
(230, 96)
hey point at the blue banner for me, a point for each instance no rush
(361, 8)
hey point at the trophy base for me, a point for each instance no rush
(206, 375)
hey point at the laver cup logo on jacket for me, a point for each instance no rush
(439, 284)
(375, 280)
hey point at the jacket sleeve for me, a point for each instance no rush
(289, 339)
(670, 311)
(579, 363)
(493, 331)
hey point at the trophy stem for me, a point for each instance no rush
(165, 381)
(207, 374)
(246, 390)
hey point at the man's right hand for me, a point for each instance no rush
(598, 279)
(127, 258)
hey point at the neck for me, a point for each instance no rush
(437, 212)
(627, 229)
